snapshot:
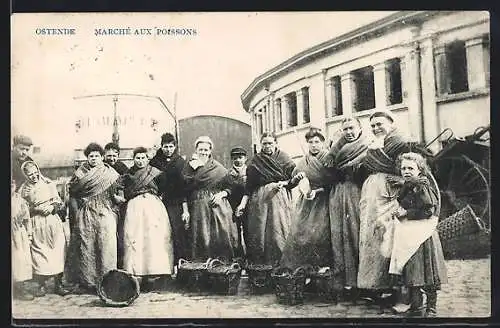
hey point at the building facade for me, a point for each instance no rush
(139, 122)
(430, 69)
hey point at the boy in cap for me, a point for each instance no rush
(19, 155)
(238, 177)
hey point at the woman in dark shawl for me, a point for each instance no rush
(148, 249)
(269, 212)
(378, 202)
(213, 231)
(309, 242)
(346, 157)
(95, 187)
(168, 160)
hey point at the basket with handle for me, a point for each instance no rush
(259, 277)
(463, 222)
(223, 278)
(192, 275)
(118, 288)
(289, 285)
(324, 284)
(464, 235)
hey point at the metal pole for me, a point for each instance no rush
(115, 138)
(176, 124)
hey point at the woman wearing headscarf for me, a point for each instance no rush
(148, 249)
(309, 241)
(378, 201)
(269, 211)
(21, 234)
(48, 239)
(96, 189)
(214, 233)
(345, 157)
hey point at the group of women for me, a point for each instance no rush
(354, 215)
(343, 217)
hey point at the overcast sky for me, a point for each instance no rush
(208, 71)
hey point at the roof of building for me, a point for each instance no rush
(402, 18)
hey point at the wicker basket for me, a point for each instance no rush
(192, 275)
(324, 284)
(461, 223)
(259, 277)
(222, 278)
(118, 288)
(289, 285)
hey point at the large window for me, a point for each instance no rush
(457, 67)
(365, 89)
(259, 124)
(265, 119)
(305, 98)
(336, 94)
(394, 81)
(277, 115)
(292, 109)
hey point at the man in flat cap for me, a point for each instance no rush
(238, 176)
(19, 155)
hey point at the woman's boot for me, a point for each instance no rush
(416, 303)
(430, 310)
(41, 289)
(21, 292)
(58, 285)
(403, 302)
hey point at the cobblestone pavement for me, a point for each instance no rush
(468, 294)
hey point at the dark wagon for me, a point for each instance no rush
(462, 171)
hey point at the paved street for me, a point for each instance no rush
(466, 295)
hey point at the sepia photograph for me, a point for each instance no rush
(201, 165)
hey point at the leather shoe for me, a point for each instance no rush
(61, 291)
(24, 295)
(430, 313)
(40, 291)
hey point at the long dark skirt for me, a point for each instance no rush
(426, 267)
(214, 233)
(344, 218)
(269, 219)
(309, 241)
(179, 234)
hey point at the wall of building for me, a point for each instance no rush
(225, 133)
(473, 112)
(427, 105)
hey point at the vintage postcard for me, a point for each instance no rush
(250, 165)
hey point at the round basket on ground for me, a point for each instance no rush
(118, 288)
(325, 285)
(259, 277)
(193, 275)
(223, 278)
(289, 285)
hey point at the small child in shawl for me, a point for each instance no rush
(418, 200)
